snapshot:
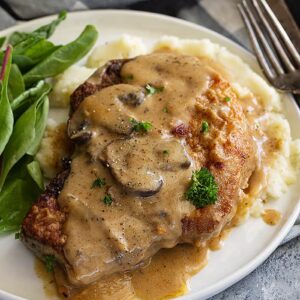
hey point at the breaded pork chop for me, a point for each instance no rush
(141, 128)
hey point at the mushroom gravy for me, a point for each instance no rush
(146, 173)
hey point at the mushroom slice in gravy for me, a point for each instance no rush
(133, 164)
(171, 155)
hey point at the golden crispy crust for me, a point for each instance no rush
(44, 222)
(228, 151)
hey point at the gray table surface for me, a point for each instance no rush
(278, 277)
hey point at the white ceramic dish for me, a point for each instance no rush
(246, 248)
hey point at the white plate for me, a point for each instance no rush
(246, 248)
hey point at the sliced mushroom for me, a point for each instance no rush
(81, 137)
(133, 98)
(104, 109)
(171, 155)
(79, 134)
(133, 164)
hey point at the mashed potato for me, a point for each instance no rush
(54, 147)
(66, 83)
(124, 47)
(282, 170)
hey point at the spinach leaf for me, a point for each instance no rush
(19, 142)
(6, 115)
(25, 45)
(2, 41)
(64, 57)
(44, 31)
(34, 55)
(17, 196)
(47, 30)
(35, 172)
(16, 84)
(29, 96)
(26, 136)
(40, 124)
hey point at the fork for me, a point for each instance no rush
(275, 52)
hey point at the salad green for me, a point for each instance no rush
(6, 115)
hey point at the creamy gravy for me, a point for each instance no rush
(271, 216)
(164, 277)
(146, 175)
(267, 148)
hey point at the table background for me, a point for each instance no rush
(279, 277)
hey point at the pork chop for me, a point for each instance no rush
(141, 128)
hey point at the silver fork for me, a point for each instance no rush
(275, 52)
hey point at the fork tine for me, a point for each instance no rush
(257, 49)
(269, 52)
(287, 41)
(276, 43)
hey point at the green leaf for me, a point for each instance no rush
(16, 197)
(44, 31)
(35, 172)
(64, 57)
(16, 84)
(19, 142)
(99, 182)
(30, 96)
(204, 127)
(47, 30)
(50, 262)
(151, 90)
(6, 115)
(26, 136)
(2, 41)
(18, 37)
(107, 200)
(40, 124)
(203, 189)
(30, 52)
(140, 126)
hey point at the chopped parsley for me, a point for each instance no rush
(227, 99)
(166, 152)
(151, 90)
(140, 126)
(128, 77)
(204, 127)
(17, 235)
(99, 182)
(50, 262)
(107, 200)
(165, 109)
(203, 189)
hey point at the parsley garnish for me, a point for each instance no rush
(165, 109)
(141, 126)
(204, 127)
(166, 152)
(107, 200)
(227, 99)
(151, 90)
(50, 262)
(99, 182)
(203, 189)
(17, 235)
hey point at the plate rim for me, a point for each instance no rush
(286, 226)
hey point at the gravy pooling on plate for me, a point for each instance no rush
(147, 164)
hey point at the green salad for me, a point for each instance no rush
(26, 62)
